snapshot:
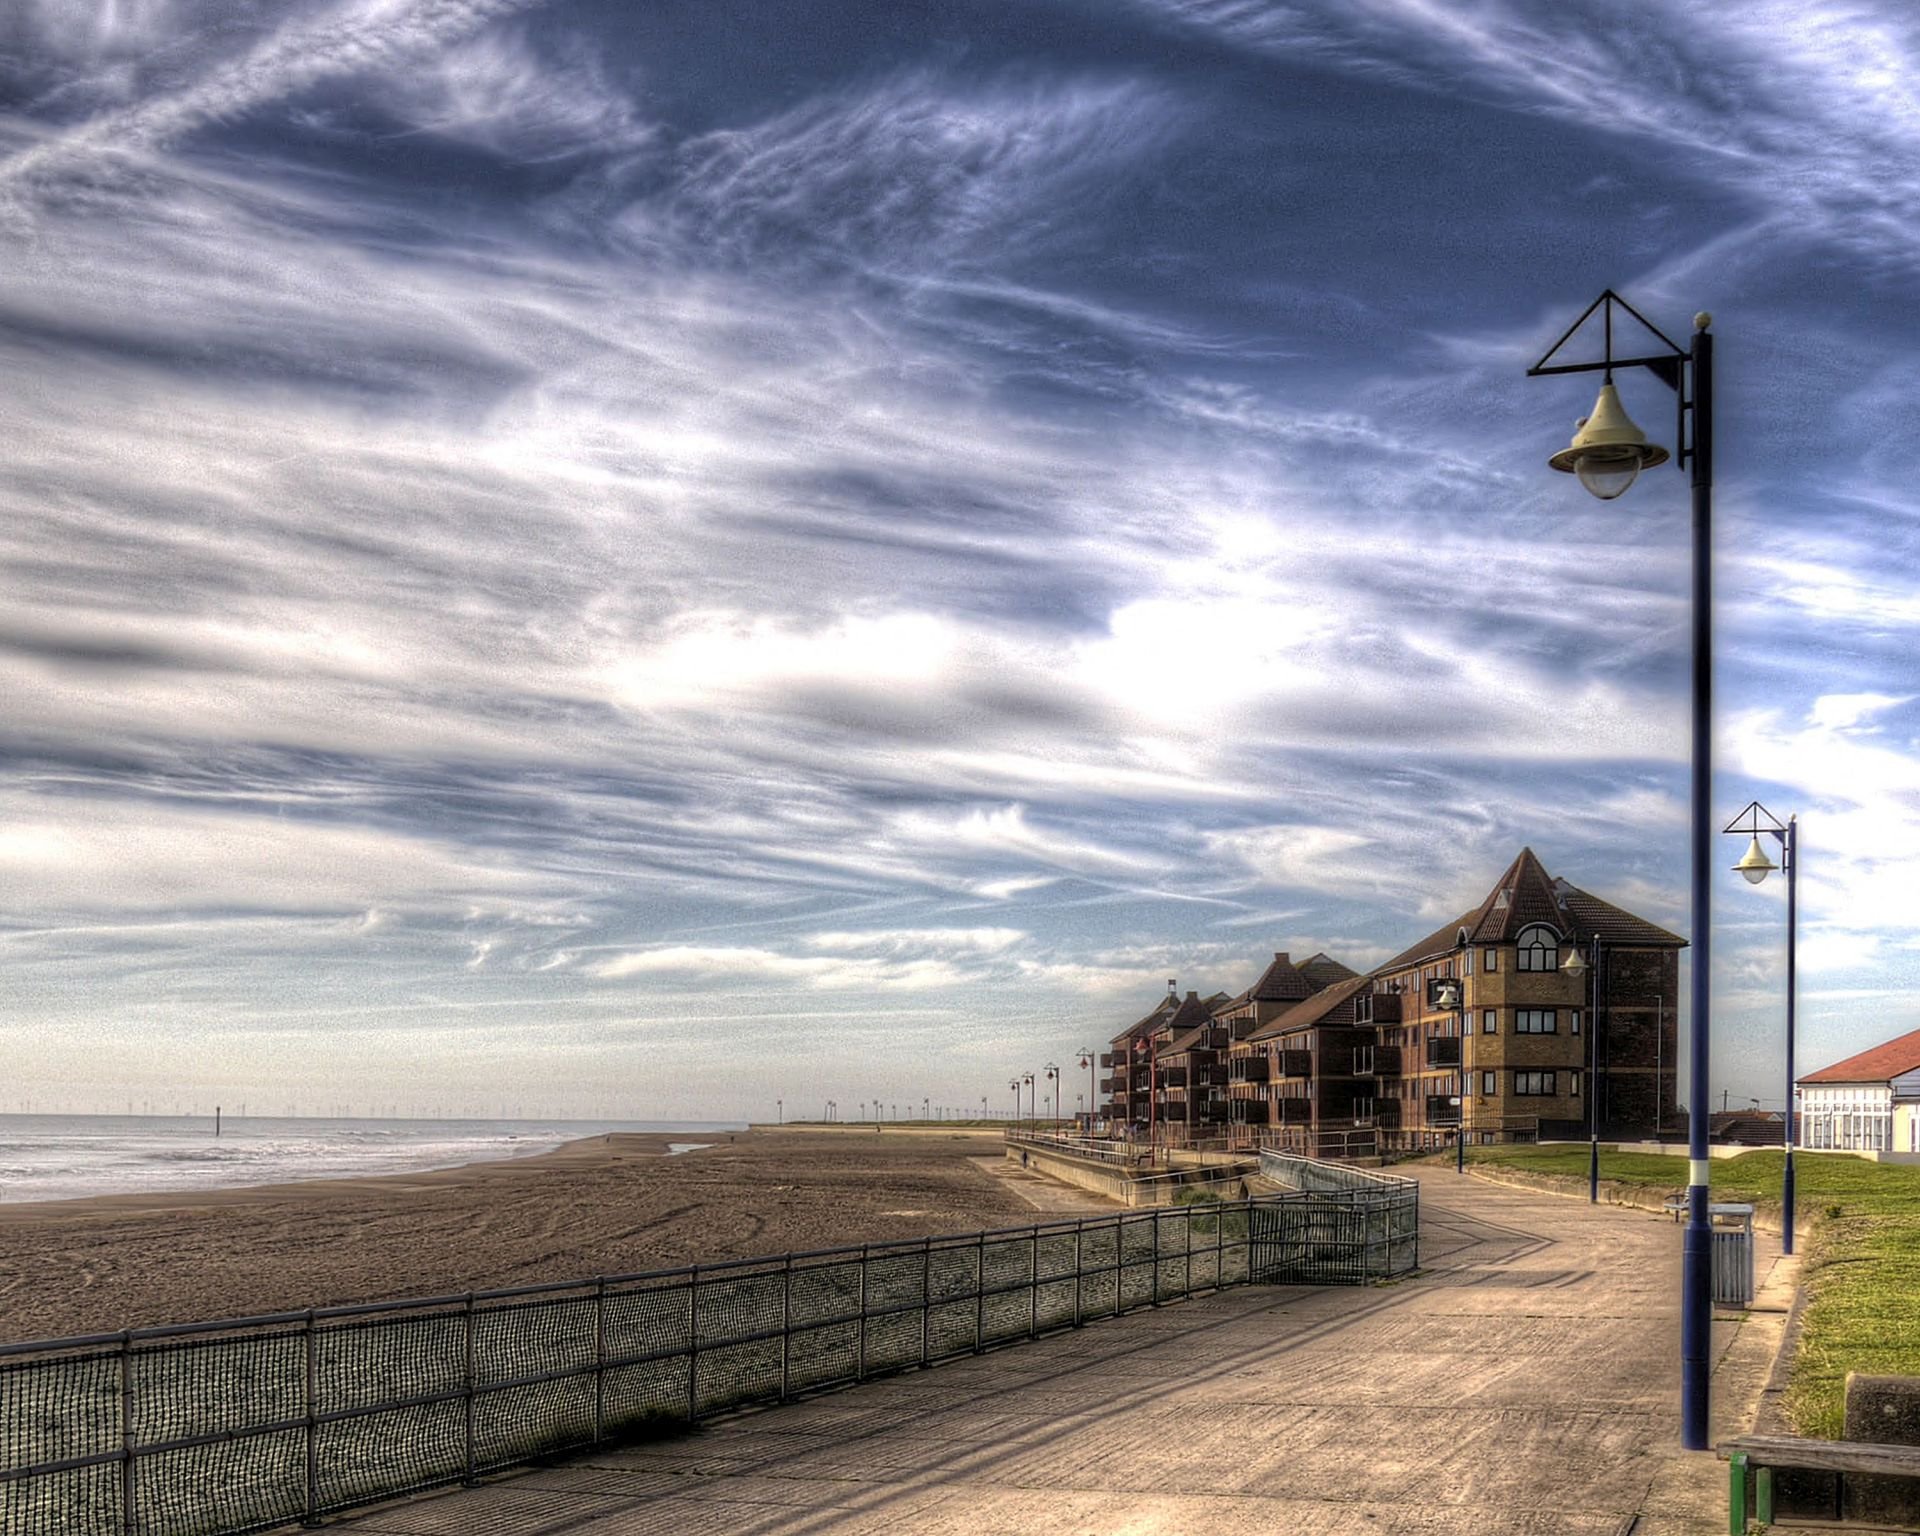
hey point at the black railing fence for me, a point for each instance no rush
(219, 1428)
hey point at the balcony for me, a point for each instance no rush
(1377, 1008)
(1212, 1074)
(1443, 1051)
(1171, 1077)
(1380, 1114)
(1113, 1085)
(1112, 1059)
(1296, 1111)
(1248, 1112)
(1247, 1069)
(1293, 1063)
(1440, 1111)
(1247, 1091)
(1376, 1061)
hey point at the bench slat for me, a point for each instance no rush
(1826, 1455)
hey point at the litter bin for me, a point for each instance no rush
(1732, 1227)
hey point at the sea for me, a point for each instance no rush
(65, 1157)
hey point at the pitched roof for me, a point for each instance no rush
(1882, 1064)
(1145, 1025)
(1313, 1010)
(1322, 970)
(1193, 1015)
(1280, 982)
(1526, 894)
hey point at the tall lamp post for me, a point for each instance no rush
(1577, 966)
(1086, 1060)
(1014, 1086)
(1033, 1106)
(1053, 1092)
(1607, 452)
(1756, 866)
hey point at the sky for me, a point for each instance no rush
(697, 559)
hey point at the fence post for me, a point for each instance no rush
(1187, 1267)
(129, 1504)
(1033, 1282)
(311, 1397)
(979, 1292)
(693, 1344)
(860, 1356)
(786, 1327)
(468, 1373)
(1079, 1233)
(599, 1360)
(926, 1298)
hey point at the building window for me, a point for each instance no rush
(1533, 1021)
(1489, 1022)
(1539, 950)
(1486, 1084)
(1573, 1084)
(1492, 958)
(1469, 962)
(1574, 1014)
(1533, 1085)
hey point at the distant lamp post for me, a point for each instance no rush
(1014, 1087)
(1756, 866)
(1607, 454)
(779, 1111)
(1033, 1105)
(1053, 1092)
(1086, 1060)
(1577, 966)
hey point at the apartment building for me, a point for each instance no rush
(1495, 1038)
(1478, 1029)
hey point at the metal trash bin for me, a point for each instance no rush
(1732, 1227)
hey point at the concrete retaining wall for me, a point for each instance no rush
(1127, 1188)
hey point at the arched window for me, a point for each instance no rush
(1539, 949)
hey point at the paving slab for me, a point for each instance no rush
(1526, 1382)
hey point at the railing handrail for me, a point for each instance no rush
(111, 1409)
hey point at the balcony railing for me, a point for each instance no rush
(1377, 1008)
(1376, 1061)
(1294, 1063)
(1443, 1051)
(1247, 1069)
(1441, 1110)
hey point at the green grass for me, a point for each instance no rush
(1863, 1259)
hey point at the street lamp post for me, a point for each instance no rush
(1053, 1092)
(779, 1111)
(1756, 866)
(1577, 966)
(1086, 1060)
(1607, 453)
(1033, 1093)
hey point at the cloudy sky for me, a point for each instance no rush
(640, 560)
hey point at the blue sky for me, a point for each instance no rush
(602, 560)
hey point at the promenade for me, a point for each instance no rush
(1526, 1383)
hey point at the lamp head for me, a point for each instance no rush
(1575, 965)
(1608, 451)
(1754, 863)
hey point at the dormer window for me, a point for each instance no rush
(1539, 949)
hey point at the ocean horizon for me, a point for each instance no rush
(68, 1157)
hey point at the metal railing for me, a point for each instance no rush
(1391, 1203)
(214, 1429)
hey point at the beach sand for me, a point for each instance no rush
(611, 1205)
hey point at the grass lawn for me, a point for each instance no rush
(1863, 1260)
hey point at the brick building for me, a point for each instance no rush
(1476, 1027)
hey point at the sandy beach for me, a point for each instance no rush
(610, 1205)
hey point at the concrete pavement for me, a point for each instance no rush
(1526, 1383)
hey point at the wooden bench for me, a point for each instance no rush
(1763, 1453)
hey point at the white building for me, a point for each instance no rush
(1867, 1103)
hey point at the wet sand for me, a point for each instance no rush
(611, 1205)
